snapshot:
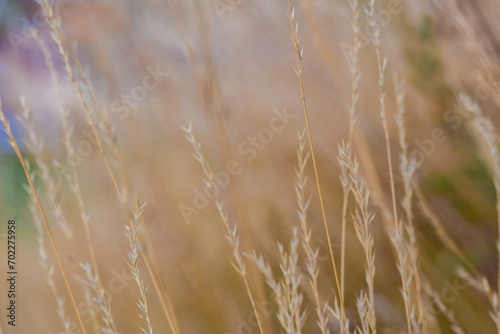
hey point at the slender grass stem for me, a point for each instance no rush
(298, 57)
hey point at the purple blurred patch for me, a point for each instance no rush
(17, 130)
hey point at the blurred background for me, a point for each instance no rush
(226, 67)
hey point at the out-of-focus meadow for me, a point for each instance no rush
(226, 68)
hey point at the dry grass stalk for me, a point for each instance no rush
(144, 241)
(362, 221)
(355, 78)
(122, 192)
(336, 313)
(231, 233)
(397, 234)
(481, 285)
(100, 298)
(440, 305)
(107, 128)
(72, 177)
(53, 188)
(311, 254)
(35, 146)
(487, 69)
(408, 169)
(57, 36)
(298, 56)
(407, 274)
(13, 143)
(133, 257)
(286, 290)
(209, 92)
(382, 66)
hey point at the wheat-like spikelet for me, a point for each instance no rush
(72, 177)
(123, 191)
(487, 69)
(298, 71)
(408, 169)
(484, 131)
(35, 146)
(481, 284)
(440, 305)
(99, 297)
(408, 166)
(106, 127)
(148, 256)
(291, 281)
(336, 313)
(231, 233)
(311, 254)
(382, 66)
(407, 274)
(14, 145)
(70, 173)
(57, 36)
(397, 233)
(286, 290)
(109, 136)
(362, 220)
(354, 67)
(209, 91)
(355, 78)
(133, 261)
(362, 306)
(90, 112)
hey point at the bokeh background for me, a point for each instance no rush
(229, 67)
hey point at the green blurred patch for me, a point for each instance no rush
(426, 30)
(424, 60)
(13, 196)
(474, 209)
(478, 172)
(443, 185)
